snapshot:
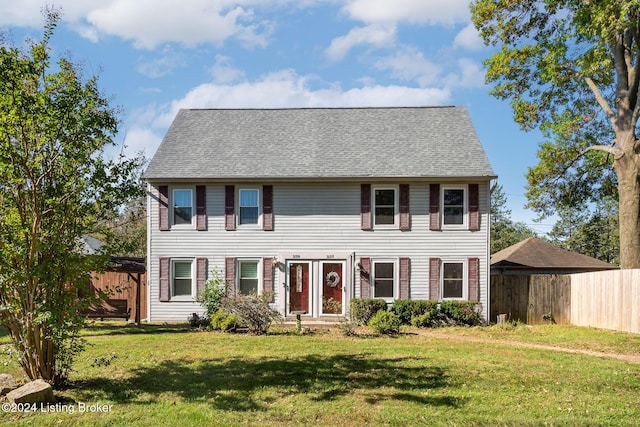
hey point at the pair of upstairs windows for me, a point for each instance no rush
(248, 207)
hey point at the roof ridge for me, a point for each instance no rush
(389, 107)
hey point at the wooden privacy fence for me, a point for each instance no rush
(606, 299)
(602, 299)
(532, 299)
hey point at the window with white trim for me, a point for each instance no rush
(384, 279)
(453, 280)
(248, 206)
(182, 278)
(248, 279)
(454, 206)
(385, 206)
(182, 206)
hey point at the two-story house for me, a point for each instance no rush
(318, 206)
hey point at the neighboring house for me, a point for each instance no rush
(319, 206)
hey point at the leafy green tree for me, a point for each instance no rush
(570, 68)
(56, 185)
(590, 233)
(128, 229)
(504, 232)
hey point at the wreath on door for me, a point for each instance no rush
(332, 279)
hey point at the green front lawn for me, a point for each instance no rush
(168, 375)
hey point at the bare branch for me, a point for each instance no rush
(601, 99)
(617, 153)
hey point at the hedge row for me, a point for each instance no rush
(420, 313)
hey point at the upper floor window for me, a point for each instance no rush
(182, 206)
(249, 207)
(383, 279)
(453, 206)
(385, 204)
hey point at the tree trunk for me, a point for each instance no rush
(628, 172)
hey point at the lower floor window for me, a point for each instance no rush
(248, 277)
(383, 279)
(452, 280)
(182, 278)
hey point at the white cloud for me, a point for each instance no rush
(141, 140)
(469, 75)
(152, 22)
(409, 64)
(163, 65)
(286, 89)
(149, 23)
(468, 38)
(433, 12)
(28, 13)
(223, 72)
(376, 35)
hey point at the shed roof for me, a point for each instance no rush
(324, 143)
(538, 254)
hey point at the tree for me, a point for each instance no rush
(504, 232)
(590, 233)
(570, 68)
(128, 228)
(56, 184)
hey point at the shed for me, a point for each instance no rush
(126, 279)
(530, 281)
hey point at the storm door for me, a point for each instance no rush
(299, 292)
(332, 287)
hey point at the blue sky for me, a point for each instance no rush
(154, 57)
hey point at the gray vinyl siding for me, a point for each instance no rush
(311, 219)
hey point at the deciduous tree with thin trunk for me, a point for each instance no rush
(56, 184)
(570, 68)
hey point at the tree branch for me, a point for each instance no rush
(601, 99)
(617, 153)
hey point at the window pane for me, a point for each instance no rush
(452, 270)
(248, 197)
(182, 287)
(248, 215)
(385, 197)
(453, 215)
(249, 270)
(182, 197)
(452, 289)
(182, 270)
(454, 197)
(383, 288)
(383, 270)
(385, 215)
(248, 285)
(182, 215)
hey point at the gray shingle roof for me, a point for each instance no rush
(325, 143)
(536, 253)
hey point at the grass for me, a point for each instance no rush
(165, 375)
